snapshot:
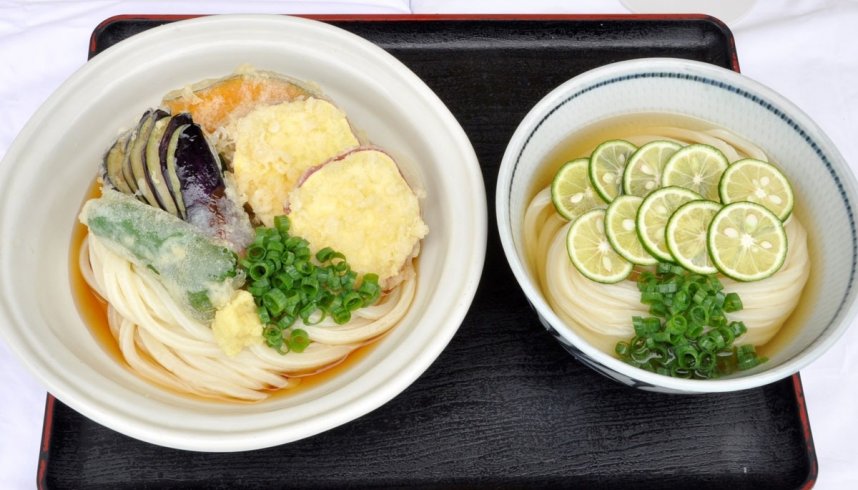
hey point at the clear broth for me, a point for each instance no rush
(582, 143)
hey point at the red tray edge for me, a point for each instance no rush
(731, 41)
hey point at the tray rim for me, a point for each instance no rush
(725, 30)
(50, 400)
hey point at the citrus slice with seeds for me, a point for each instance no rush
(643, 171)
(686, 235)
(590, 251)
(758, 182)
(653, 214)
(747, 242)
(607, 164)
(621, 230)
(698, 168)
(571, 190)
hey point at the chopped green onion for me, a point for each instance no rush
(727, 334)
(257, 290)
(303, 267)
(698, 315)
(746, 357)
(686, 356)
(302, 253)
(281, 224)
(275, 247)
(294, 242)
(681, 300)
(324, 254)
(650, 298)
(310, 286)
(718, 338)
(352, 301)
(274, 301)
(259, 270)
(341, 267)
(738, 328)
(699, 296)
(306, 311)
(286, 321)
(264, 316)
(708, 344)
(255, 252)
(325, 300)
(641, 356)
(658, 309)
(298, 340)
(706, 361)
(695, 330)
(687, 333)
(677, 324)
(292, 272)
(288, 282)
(732, 303)
(282, 281)
(341, 315)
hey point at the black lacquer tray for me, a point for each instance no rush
(504, 405)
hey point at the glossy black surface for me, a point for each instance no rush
(504, 405)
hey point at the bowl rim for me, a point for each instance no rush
(171, 434)
(506, 174)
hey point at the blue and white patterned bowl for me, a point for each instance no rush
(821, 178)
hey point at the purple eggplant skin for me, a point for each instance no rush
(153, 180)
(170, 177)
(112, 164)
(197, 166)
(127, 172)
(203, 190)
(137, 157)
(168, 163)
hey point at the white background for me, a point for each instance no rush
(804, 49)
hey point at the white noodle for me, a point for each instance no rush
(163, 344)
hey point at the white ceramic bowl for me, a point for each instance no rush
(821, 178)
(48, 168)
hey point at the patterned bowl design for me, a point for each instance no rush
(823, 182)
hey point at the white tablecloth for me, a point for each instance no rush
(804, 49)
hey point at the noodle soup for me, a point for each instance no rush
(602, 313)
(689, 205)
(242, 239)
(393, 108)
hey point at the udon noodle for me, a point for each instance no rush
(602, 313)
(163, 344)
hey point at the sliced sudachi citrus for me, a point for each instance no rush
(747, 242)
(607, 164)
(571, 190)
(643, 171)
(686, 235)
(653, 214)
(621, 230)
(697, 168)
(758, 182)
(590, 251)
